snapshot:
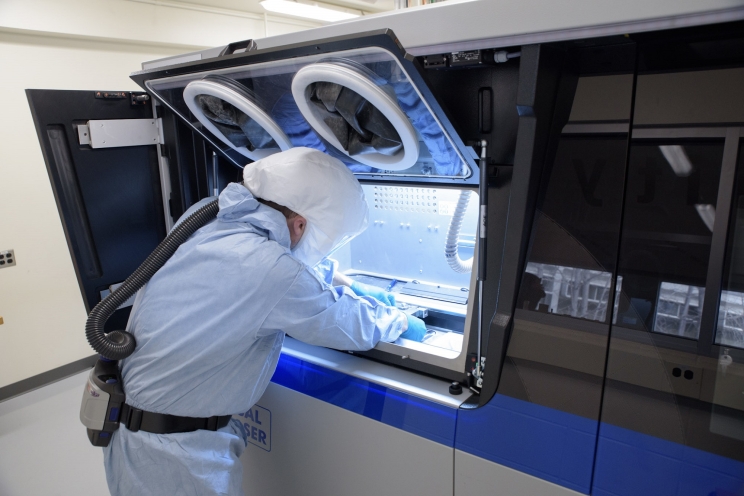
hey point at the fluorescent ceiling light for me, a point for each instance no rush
(678, 159)
(305, 10)
(707, 214)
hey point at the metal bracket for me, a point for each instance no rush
(128, 303)
(120, 132)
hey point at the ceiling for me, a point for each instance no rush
(253, 6)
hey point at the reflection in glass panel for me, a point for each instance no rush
(662, 378)
(574, 242)
(558, 345)
(571, 291)
(667, 233)
(730, 320)
(678, 310)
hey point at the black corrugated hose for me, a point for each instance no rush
(117, 345)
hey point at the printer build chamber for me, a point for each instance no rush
(364, 102)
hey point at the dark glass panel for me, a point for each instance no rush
(574, 242)
(556, 355)
(730, 331)
(667, 232)
(665, 378)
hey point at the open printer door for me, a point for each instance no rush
(106, 182)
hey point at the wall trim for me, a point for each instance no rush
(46, 378)
(100, 39)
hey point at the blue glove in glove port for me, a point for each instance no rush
(378, 294)
(416, 329)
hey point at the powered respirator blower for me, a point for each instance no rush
(103, 398)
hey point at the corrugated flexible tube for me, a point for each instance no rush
(453, 235)
(117, 345)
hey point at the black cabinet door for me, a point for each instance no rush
(109, 199)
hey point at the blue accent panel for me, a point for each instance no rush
(547, 443)
(631, 463)
(114, 414)
(412, 414)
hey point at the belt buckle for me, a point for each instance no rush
(212, 423)
(134, 419)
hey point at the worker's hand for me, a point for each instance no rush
(416, 329)
(378, 294)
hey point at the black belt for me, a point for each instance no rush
(160, 423)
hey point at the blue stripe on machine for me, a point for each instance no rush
(547, 443)
(412, 414)
(631, 463)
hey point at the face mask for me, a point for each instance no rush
(315, 246)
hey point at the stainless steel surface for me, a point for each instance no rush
(423, 386)
(121, 132)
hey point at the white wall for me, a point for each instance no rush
(150, 21)
(72, 44)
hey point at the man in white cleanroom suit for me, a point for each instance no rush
(210, 324)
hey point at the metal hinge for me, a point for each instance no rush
(120, 132)
(479, 372)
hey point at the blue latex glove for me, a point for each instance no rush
(416, 329)
(378, 294)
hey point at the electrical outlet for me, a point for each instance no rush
(685, 379)
(7, 258)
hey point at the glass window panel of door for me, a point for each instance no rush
(663, 379)
(730, 329)
(667, 232)
(556, 355)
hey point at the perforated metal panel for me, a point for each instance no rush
(407, 233)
